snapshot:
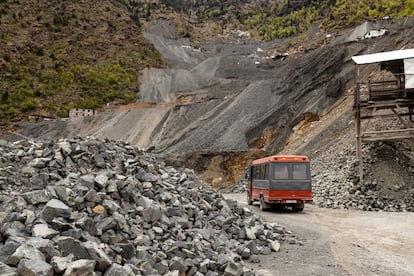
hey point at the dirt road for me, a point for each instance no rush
(340, 242)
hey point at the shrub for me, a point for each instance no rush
(6, 57)
(183, 32)
(60, 20)
(28, 104)
(9, 112)
(129, 97)
(39, 51)
(110, 95)
(4, 96)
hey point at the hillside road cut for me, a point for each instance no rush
(339, 242)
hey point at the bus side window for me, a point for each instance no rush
(256, 172)
(260, 172)
(263, 171)
(266, 171)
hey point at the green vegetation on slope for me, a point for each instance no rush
(58, 90)
(347, 13)
(277, 18)
(282, 20)
(55, 55)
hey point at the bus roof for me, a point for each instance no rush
(281, 158)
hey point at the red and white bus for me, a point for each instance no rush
(280, 180)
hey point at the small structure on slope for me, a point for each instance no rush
(388, 94)
(78, 112)
(366, 30)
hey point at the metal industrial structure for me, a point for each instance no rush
(387, 94)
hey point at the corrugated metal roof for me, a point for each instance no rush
(385, 56)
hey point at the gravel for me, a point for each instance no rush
(387, 185)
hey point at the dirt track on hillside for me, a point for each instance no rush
(340, 242)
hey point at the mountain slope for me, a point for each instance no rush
(57, 55)
(236, 100)
(265, 19)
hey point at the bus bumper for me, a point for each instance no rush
(289, 201)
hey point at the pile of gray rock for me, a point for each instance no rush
(92, 207)
(387, 185)
(239, 187)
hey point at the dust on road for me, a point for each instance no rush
(340, 242)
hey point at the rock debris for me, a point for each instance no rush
(83, 206)
(388, 178)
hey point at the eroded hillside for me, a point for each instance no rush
(229, 98)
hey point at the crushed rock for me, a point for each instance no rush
(82, 206)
